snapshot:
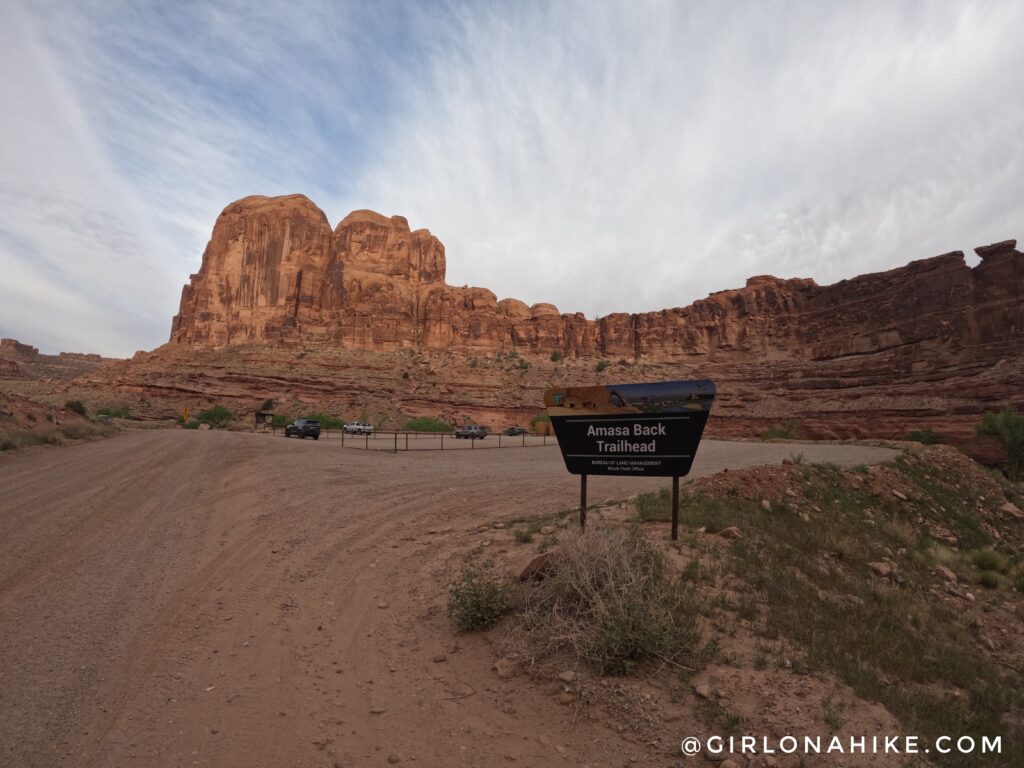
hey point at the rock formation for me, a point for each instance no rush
(23, 361)
(359, 321)
(274, 272)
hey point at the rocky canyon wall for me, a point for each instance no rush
(275, 273)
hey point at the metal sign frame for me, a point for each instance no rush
(647, 429)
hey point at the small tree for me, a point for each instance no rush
(75, 406)
(1007, 427)
(556, 356)
(217, 417)
(268, 405)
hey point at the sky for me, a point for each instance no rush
(601, 156)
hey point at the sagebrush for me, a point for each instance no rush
(612, 600)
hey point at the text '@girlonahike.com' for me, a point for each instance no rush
(726, 746)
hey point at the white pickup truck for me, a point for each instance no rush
(358, 428)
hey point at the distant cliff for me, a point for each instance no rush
(275, 273)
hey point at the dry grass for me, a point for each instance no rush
(612, 601)
(13, 439)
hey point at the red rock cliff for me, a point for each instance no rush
(274, 272)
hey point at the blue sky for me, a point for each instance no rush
(601, 156)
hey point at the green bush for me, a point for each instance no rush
(788, 430)
(217, 417)
(601, 365)
(75, 406)
(477, 599)
(1007, 427)
(267, 405)
(190, 424)
(428, 424)
(326, 422)
(280, 420)
(924, 436)
(990, 560)
(538, 419)
(989, 580)
(115, 412)
(556, 357)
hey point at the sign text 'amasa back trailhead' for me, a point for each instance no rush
(630, 429)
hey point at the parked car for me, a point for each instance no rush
(471, 432)
(516, 430)
(303, 428)
(358, 428)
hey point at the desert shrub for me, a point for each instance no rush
(523, 364)
(115, 412)
(990, 560)
(405, 374)
(1018, 578)
(77, 431)
(428, 424)
(601, 365)
(612, 600)
(217, 417)
(556, 356)
(326, 422)
(190, 424)
(989, 580)
(75, 406)
(788, 430)
(1007, 427)
(477, 599)
(267, 405)
(280, 420)
(538, 419)
(523, 535)
(924, 436)
(655, 506)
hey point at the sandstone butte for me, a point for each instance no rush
(932, 344)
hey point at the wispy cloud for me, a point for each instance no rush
(603, 156)
(612, 157)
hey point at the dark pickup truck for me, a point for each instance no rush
(516, 430)
(303, 428)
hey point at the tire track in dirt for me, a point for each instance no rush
(180, 598)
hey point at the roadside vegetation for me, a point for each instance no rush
(612, 601)
(1007, 426)
(326, 421)
(540, 418)
(924, 436)
(115, 412)
(76, 406)
(428, 424)
(904, 581)
(63, 434)
(787, 430)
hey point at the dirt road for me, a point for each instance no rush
(175, 598)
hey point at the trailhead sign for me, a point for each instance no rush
(630, 429)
